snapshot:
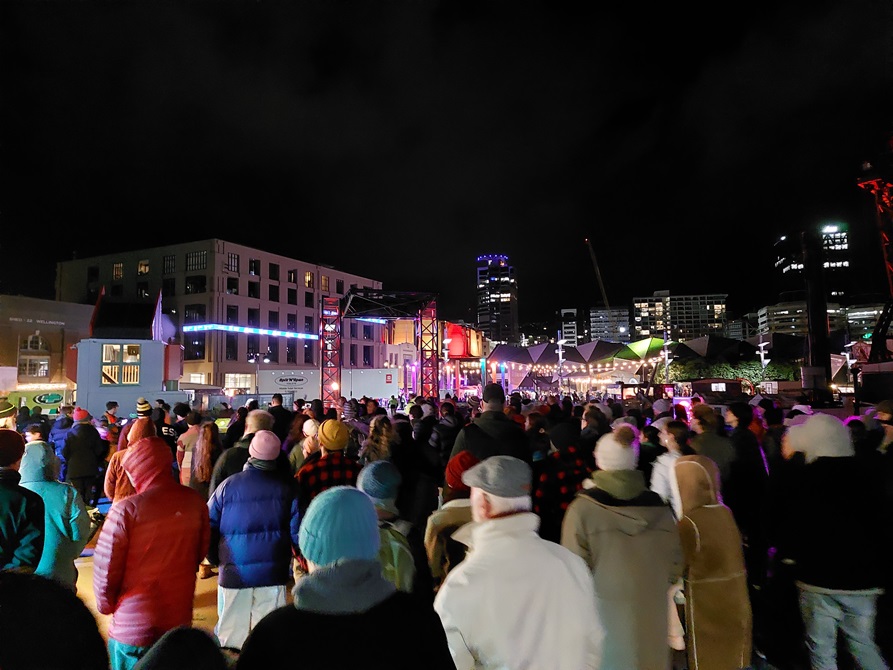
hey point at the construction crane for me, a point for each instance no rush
(598, 274)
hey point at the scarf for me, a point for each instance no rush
(345, 587)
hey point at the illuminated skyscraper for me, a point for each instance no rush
(497, 299)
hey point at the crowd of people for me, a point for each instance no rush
(500, 532)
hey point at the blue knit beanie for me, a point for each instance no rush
(380, 480)
(340, 523)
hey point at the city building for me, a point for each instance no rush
(839, 279)
(569, 334)
(610, 324)
(237, 310)
(678, 317)
(497, 299)
(791, 318)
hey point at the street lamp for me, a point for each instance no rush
(256, 359)
(560, 352)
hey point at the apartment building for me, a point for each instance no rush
(237, 310)
(681, 317)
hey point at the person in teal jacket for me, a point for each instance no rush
(66, 522)
(21, 510)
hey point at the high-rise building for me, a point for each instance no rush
(569, 326)
(681, 317)
(836, 264)
(497, 299)
(611, 325)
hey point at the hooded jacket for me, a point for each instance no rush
(66, 522)
(717, 605)
(149, 550)
(627, 536)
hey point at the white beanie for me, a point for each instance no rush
(427, 409)
(618, 450)
(820, 435)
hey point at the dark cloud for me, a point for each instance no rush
(399, 140)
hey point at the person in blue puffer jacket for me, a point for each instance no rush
(254, 522)
(66, 522)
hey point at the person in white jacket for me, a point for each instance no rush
(517, 600)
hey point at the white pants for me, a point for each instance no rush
(239, 610)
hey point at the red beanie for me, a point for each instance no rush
(456, 466)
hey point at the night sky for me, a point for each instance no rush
(399, 140)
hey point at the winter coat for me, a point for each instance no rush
(341, 610)
(493, 433)
(83, 451)
(149, 549)
(252, 514)
(233, 461)
(282, 418)
(561, 475)
(443, 436)
(718, 617)
(628, 536)
(66, 522)
(719, 449)
(21, 524)
(59, 430)
(502, 612)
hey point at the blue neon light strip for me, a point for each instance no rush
(201, 327)
(371, 320)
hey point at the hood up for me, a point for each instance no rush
(697, 482)
(39, 464)
(148, 462)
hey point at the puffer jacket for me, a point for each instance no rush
(83, 450)
(148, 551)
(252, 514)
(66, 523)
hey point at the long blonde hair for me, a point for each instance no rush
(208, 440)
(377, 446)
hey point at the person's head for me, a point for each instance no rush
(142, 427)
(181, 409)
(333, 435)
(276, 399)
(380, 425)
(738, 414)
(7, 409)
(265, 445)
(500, 485)
(452, 476)
(494, 397)
(675, 435)
(143, 408)
(258, 419)
(564, 434)
(80, 415)
(30, 607)
(193, 418)
(705, 419)
(12, 448)
(819, 435)
(252, 404)
(160, 402)
(36, 412)
(241, 413)
(33, 432)
(111, 407)
(651, 434)
(340, 525)
(381, 480)
(447, 409)
(883, 411)
(415, 411)
(618, 450)
(184, 647)
(148, 462)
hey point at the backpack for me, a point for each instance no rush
(395, 556)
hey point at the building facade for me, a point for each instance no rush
(791, 318)
(497, 299)
(234, 307)
(611, 325)
(678, 317)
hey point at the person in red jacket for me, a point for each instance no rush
(147, 556)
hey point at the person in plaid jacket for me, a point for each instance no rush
(333, 467)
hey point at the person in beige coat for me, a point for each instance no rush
(718, 618)
(628, 537)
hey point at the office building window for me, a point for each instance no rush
(291, 350)
(168, 287)
(196, 284)
(117, 271)
(308, 353)
(339, 286)
(169, 264)
(367, 356)
(196, 260)
(353, 356)
(253, 345)
(274, 271)
(142, 289)
(232, 315)
(292, 295)
(254, 266)
(308, 324)
(273, 291)
(254, 317)
(273, 320)
(194, 314)
(254, 289)
(232, 285)
(232, 262)
(291, 322)
(367, 332)
(308, 279)
(324, 283)
(273, 349)
(292, 276)
(308, 299)
(353, 330)
(194, 349)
